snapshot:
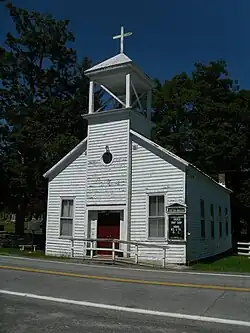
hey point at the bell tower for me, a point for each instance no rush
(125, 87)
(127, 93)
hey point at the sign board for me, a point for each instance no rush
(176, 227)
(176, 209)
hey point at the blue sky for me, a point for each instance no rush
(168, 35)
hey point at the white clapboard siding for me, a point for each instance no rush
(152, 174)
(71, 182)
(200, 187)
(107, 184)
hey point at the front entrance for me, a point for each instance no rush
(108, 226)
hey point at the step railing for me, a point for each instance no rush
(243, 249)
(91, 245)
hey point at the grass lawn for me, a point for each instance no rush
(17, 252)
(38, 254)
(238, 264)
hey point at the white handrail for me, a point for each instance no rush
(114, 250)
(241, 246)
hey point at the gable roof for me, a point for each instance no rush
(81, 147)
(66, 160)
(117, 60)
(177, 158)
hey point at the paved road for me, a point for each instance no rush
(181, 277)
(22, 316)
(91, 288)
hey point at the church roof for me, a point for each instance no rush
(82, 146)
(119, 59)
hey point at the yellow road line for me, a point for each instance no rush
(125, 280)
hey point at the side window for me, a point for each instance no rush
(66, 219)
(220, 222)
(226, 221)
(202, 220)
(156, 216)
(212, 220)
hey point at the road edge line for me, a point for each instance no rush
(131, 310)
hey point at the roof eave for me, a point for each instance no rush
(213, 180)
(57, 166)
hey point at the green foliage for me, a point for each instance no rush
(43, 94)
(203, 120)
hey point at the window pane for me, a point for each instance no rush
(66, 227)
(203, 230)
(157, 227)
(152, 227)
(67, 208)
(70, 211)
(220, 229)
(156, 205)
(212, 229)
(202, 208)
(152, 206)
(161, 227)
(161, 206)
(226, 218)
(212, 210)
(64, 208)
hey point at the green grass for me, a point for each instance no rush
(17, 252)
(26, 253)
(235, 264)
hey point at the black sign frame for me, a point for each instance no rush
(176, 227)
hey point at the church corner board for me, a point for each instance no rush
(118, 193)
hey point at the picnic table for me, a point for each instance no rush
(28, 246)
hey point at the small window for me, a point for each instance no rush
(66, 220)
(220, 222)
(107, 157)
(212, 220)
(203, 226)
(156, 218)
(226, 220)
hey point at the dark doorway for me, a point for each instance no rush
(108, 226)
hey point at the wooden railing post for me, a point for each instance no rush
(113, 250)
(91, 250)
(136, 254)
(164, 258)
(72, 248)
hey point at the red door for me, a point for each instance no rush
(108, 226)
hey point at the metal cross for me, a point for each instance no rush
(121, 36)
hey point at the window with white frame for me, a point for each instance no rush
(66, 219)
(156, 216)
(202, 212)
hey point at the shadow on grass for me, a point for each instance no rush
(227, 262)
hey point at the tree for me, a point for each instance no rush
(43, 95)
(204, 121)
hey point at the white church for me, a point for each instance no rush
(119, 185)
